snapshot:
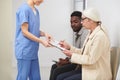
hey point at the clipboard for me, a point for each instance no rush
(56, 44)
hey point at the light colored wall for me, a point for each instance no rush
(6, 48)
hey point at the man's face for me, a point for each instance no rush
(76, 23)
(37, 2)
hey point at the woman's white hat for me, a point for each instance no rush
(92, 14)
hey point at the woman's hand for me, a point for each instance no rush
(67, 53)
(64, 45)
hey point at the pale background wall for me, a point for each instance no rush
(55, 15)
(6, 49)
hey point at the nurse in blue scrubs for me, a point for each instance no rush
(27, 40)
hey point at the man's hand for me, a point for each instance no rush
(63, 61)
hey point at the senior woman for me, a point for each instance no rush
(95, 54)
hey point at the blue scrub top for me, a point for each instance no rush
(24, 47)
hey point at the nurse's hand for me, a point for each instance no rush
(48, 37)
(45, 43)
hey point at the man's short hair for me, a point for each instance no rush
(77, 13)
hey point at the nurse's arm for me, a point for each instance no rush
(29, 35)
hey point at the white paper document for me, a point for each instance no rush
(57, 45)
